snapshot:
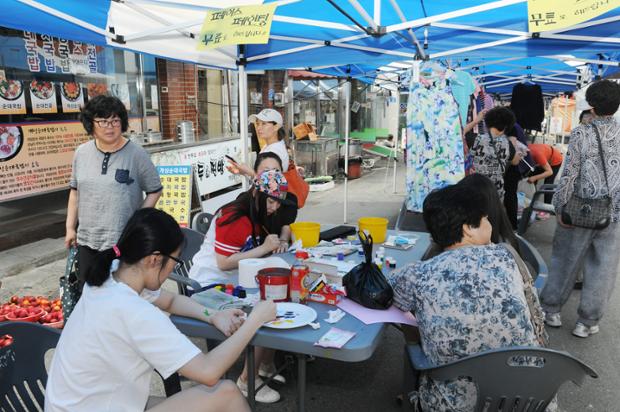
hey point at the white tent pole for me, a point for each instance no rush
(363, 13)
(163, 29)
(67, 17)
(396, 140)
(243, 117)
(478, 29)
(132, 5)
(321, 43)
(347, 126)
(377, 12)
(453, 14)
(486, 63)
(492, 74)
(614, 40)
(317, 23)
(414, 39)
(593, 61)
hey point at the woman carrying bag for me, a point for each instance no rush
(587, 205)
(268, 124)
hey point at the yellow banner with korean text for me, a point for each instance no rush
(176, 197)
(236, 25)
(546, 15)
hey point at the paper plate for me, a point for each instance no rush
(292, 315)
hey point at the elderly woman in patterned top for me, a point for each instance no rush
(470, 298)
(596, 250)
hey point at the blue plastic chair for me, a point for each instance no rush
(503, 385)
(191, 246)
(201, 222)
(22, 365)
(536, 206)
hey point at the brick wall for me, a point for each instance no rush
(180, 79)
(273, 79)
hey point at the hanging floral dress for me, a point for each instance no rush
(435, 156)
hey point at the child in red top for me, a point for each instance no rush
(242, 230)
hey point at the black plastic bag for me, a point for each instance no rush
(365, 283)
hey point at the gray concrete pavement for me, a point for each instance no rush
(373, 385)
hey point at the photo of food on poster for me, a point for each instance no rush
(36, 158)
(43, 97)
(12, 99)
(71, 96)
(95, 89)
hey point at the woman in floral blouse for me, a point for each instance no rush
(468, 299)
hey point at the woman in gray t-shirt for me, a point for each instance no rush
(109, 178)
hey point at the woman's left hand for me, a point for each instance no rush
(282, 248)
(228, 321)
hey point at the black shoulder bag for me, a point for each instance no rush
(589, 213)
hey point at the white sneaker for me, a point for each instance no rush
(265, 395)
(583, 331)
(268, 371)
(553, 319)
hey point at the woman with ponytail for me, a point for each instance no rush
(242, 229)
(117, 334)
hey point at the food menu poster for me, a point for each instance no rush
(43, 96)
(176, 196)
(37, 158)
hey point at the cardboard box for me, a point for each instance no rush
(303, 130)
(321, 297)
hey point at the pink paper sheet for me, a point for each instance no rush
(368, 316)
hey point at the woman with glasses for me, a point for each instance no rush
(111, 179)
(117, 334)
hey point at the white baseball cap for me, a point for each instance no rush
(267, 115)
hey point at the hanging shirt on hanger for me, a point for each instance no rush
(435, 153)
(462, 87)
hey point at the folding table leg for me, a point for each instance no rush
(301, 382)
(251, 377)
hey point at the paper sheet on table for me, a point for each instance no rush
(368, 316)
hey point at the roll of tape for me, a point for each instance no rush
(248, 268)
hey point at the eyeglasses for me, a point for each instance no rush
(179, 263)
(108, 123)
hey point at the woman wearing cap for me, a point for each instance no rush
(268, 125)
(239, 232)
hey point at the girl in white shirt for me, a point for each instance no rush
(116, 335)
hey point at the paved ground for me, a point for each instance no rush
(373, 385)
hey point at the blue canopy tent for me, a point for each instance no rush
(329, 35)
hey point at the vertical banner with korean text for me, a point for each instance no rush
(236, 25)
(176, 196)
(545, 15)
